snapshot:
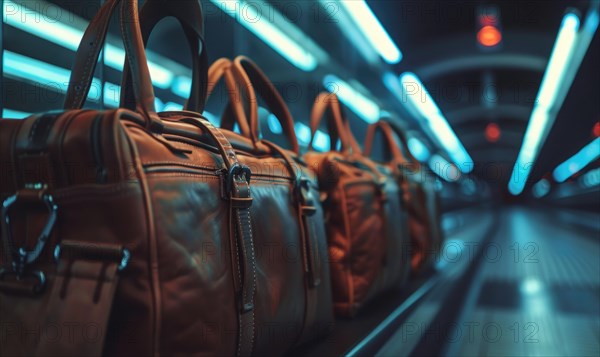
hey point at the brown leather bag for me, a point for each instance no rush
(366, 223)
(295, 212)
(131, 233)
(420, 196)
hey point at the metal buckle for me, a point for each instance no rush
(303, 190)
(238, 170)
(21, 257)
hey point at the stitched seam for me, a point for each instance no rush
(252, 256)
(247, 210)
(86, 70)
(237, 252)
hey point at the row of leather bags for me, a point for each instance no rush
(144, 233)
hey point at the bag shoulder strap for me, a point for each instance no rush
(83, 293)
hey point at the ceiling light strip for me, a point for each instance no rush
(416, 96)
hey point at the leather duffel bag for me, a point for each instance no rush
(366, 223)
(126, 232)
(292, 213)
(419, 194)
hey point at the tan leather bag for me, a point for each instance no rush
(295, 215)
(366, 223)
(420, 196)
(127, 232)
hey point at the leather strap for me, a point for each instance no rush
(305, 208)
(87, 54)
(303, 195)
(240, 198)
(189, 15)
(257, 82)
(82, 297)
(235, 112)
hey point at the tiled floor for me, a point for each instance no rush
(541, 296)
(536, 292)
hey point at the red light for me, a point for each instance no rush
(489, 36)
(596, 129)
(492, 132)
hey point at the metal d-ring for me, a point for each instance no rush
(21, 257)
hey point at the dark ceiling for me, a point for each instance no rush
(438, 42)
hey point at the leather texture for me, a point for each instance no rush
(294, 208)
(218, 263)
(367, 226)
(420, 196)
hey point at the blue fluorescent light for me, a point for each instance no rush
(14, 114)
(541, 188)
(53, 30)
(443, 168)
(358, 103)
(544, 110)
(302, 133)
(176, 107)
(274, 124)
(559, 60)
(366, 20)
(182, 85)
(159, 105)
(591, 178)
(213, 119)
(112, 94)
(114, 57)
(31, 69)
(418, 149)
(392, 83)
(41, 25)
(43, 74)
(257, 20)
(578, 161)
(321, 141)
(415, 93)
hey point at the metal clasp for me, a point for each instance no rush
(21, 258)
(305, 197)
(240, 171)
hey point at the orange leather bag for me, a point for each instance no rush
(137, 233)
(419, 195)
(367, 227)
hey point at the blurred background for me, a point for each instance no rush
(499, 99)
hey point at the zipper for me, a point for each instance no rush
(101, 173)
(173, 168)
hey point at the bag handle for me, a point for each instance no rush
(337, 123)
(257, 82)
(388, 139)
(394, 131)
(87, 54)
(189, 15)
(221, 69)
(404, 141)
